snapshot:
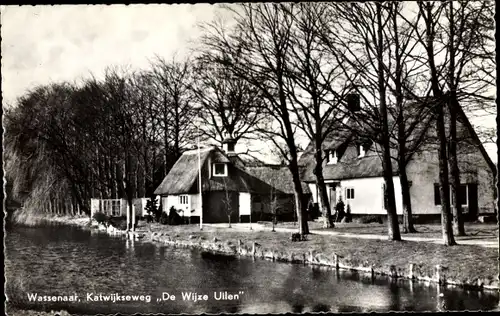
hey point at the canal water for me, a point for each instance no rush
(109, 275)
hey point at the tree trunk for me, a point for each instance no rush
(119, 171)
(141, 184)
(402, 149)
(320, 182)
(392, 219)
(458, 223)
(112, 180)
(128, 190)
(444, 189)
(297, 186)
(405, 191)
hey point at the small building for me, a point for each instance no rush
(118, 207)
(353, 173)
(231, 187)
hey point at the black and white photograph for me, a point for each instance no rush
(250, 158)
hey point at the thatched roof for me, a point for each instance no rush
(371, 164)
(184, 172)
(278, 177)
(366, 167)
(256, 178)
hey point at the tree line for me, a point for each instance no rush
(277, 71)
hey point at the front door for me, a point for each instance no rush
(332, 191)
(333, 196)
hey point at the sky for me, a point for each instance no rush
(41, 44)
(44, 44)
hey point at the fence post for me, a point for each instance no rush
(438, 273)
(412, 273)
(336, 260)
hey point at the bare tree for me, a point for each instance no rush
(310, 75)
(457, 39)
(356, 37)
(262, 38)
(228, 106)
(172, 82)
(227, 202)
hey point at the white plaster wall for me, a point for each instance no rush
(194, 201)
(315, 194)
(423, 176)
(94, 206)
(368, 195)
(423, 171)
(164, 204)
(173, 200)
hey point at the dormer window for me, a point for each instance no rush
(361, 150)
(220, 170)
(331, 157)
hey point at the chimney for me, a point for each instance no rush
(228, 146)
(353, 102)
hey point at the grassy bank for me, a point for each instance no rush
(465, 265)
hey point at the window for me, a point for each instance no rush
(349, 194)
(437, 195)
(111, 206)
(361, 150)
(230, 147)
(183, 199)
(462, 195)
(220, 169)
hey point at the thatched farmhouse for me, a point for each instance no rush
(231, 188)
(353, 173)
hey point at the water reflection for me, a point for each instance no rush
(55, 261)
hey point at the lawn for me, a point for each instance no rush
(463, 261)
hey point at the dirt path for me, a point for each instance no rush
(483, 241)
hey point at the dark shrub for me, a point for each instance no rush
(118, 222)
(149, 218)
(164, 218)
(152, 209)
(173, 217)
(339, 209)
(371, 219)
(348, 216)
(100, 217)
(314, 211)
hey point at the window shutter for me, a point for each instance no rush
(384, 197)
